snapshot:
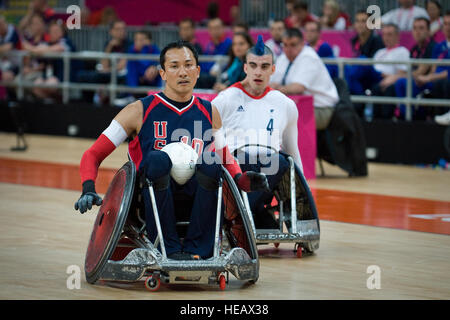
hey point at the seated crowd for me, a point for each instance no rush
(39, 32)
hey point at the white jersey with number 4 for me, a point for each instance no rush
(269, 120)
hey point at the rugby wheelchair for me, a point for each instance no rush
(119, 248)
(292, 207)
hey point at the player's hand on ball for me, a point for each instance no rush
(253, 181)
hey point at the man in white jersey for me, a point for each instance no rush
(299, 70)
(404, 15)
(380, 78)
(252, 113)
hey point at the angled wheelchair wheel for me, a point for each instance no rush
(110, 221)
(237, 225)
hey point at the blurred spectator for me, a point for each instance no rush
(380, 78)
(141, 72)
(9, 40)
(33, 37)
(277, 28)
(234, 70)
(118, 43)
(404, 16)
(323, 49)
(441, 73)
(366, 42)
(34, 32)
(186, 32)
(235, 14)
(332, 17)
(299, 70)
(300, 15)
(36, 7)
(240, 26)
(423, 49)
(434, 10)
(219, 44)
(109, 15)
(54, 68)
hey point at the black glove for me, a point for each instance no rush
(88, 198)
(252, 181)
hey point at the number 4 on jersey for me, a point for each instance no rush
(270, 126)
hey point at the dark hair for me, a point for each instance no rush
(241, 24)
(447, 13)
(187, 20)
(257, 52)
(436, 3)
(300, 5)
(112, 24)
(212, 10)
(231, 55)
(147, 34)
(293, 33)
(362, 11)
(423, 19)
(177, 45)
(317, 23)
(393, 25)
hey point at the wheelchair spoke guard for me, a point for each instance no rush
(110, 221)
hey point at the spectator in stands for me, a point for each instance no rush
(423, 49)
(141, 72)
(36, 7)
(332, 17)
(404, 16)
(275, 43)
(366, 42)
(234, 70)
(219, 45)
(34, 36)
(54, 68)
(9, 40)
(434, 10)
(323, 49)
(300, 15)
(117, 43)
(186, 31)
(380, 78)
(441, 73)
(299, 70)
(240, 26)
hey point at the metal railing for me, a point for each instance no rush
(113, 87)
(408, 100)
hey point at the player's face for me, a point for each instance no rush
(181, 71)
(258, 70)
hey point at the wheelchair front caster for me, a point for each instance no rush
(222, 282)
(152, 283)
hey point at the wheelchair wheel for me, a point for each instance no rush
(110, 221)
(237, 225)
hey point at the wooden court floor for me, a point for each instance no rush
(397, 219)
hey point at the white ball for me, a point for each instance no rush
(183, 159)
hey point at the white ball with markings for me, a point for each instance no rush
(183, 159)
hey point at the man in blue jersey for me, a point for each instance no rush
(152, 123)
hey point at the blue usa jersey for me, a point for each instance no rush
(163, 123)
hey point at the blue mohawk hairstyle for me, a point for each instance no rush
(260, 49)
(259, 46)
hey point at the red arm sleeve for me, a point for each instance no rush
(93, 157)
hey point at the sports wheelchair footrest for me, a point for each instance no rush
(307, 230)
(138, 261)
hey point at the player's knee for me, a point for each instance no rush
(157, 169)
(208, 172)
